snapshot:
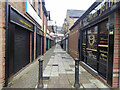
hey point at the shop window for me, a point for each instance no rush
(92, 38)
(103, 48)
(84, 46)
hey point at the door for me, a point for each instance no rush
(42, 45)
(21, 48)
(38, 45)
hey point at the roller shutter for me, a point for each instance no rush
(22, 48)
(38, 45)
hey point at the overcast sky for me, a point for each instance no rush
(58, 8)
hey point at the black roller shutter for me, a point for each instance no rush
(47, 44)
(32, 46)
(38, 45)
(21, 48)
(42, 45)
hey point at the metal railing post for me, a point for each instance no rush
(40, 77)
(76, 84)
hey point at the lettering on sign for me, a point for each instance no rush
(25, 23)
(104, 6)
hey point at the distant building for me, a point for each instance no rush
(71, 17)
(59, 34)
(68, 43)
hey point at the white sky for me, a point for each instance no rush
(58, 8)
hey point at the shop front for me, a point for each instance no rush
(39, 36)
(43, 44)
(48, 42)
(20, 47)
(95, 49)
(97, 40)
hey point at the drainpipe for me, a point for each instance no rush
(6, 45)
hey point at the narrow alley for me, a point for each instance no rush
(58, 72)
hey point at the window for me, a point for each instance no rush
(84, 46)
(103, 48)
(32, 2)
(92, 37)
(95, 47)
(38, 7)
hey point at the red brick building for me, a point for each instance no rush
(99, 37)
(73, 42)
(23, 25)
(70, 42)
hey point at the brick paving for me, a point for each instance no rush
(59, 68)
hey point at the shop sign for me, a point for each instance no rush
(48, 31)
(48, 36)
(104, 6)
(39, 31)
(32, 13)
(19, 19)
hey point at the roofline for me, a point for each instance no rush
(86, 13)
(75, 17)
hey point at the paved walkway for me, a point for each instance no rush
(59, 69)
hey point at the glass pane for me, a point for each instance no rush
(92, 46)
(103, 47)
(84, 46)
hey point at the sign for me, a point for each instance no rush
(19, 19)
(50, 23)
(39, 31)
(104, 6)
(32, 13)
(48, 31)
(48, 36)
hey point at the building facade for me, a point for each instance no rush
(99, 41)
(22, 36)
(71, 41)
(71, 17)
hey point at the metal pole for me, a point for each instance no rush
(76, 85)
(40, 80)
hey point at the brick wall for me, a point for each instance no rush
(2, 43)
(116, 63)
(21, 7)
(73, 42)
(70, 21)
